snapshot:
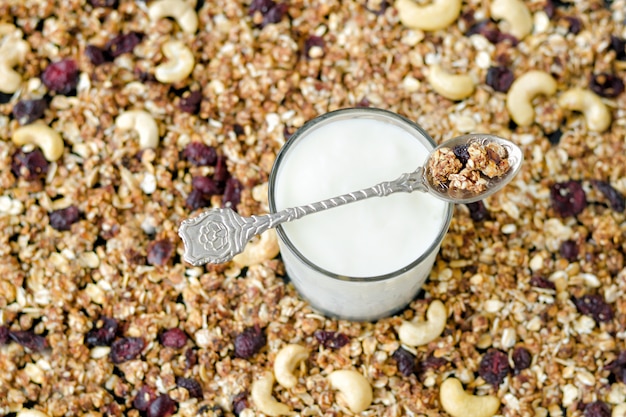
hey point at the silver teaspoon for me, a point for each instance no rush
(218, 234)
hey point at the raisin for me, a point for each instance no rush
(270, 11)
(606, 85)
(330, 339)
(191, 385)
(618, 367)
(196, 200)
(190, 103)
(569, 250)
(574, 24)
(541, 282)
(238, 129)
(174, 338)
(199, 154)
(144, 397)
(597, 409)
(221, 173)
(123, 43)
(232, 193)
(551, 6)
(555, 137)
(29, 340)
(594, 305)
(312, 41)
(104, 335)
(490, 31)
(103, 3)
(97, 55)
(27, 111)
(32, 165)
(162, 406)
(61, 77)
(381, 7)
(159, 252)
(462, 154)
(478, 211)
(63, 219)
(4, 335)
(405, 361)
(568, 198)
(249, 342)
(521, 359)
(619, 46)
(616, 199)
(240, 402)
(431, 362)
(494, 367)
(191, 358)
(205, 185)
(126, 349)
(500, 78)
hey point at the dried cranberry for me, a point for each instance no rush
(494, 367)
(462, 154)
(541, 282)
(568, 198)
(431, 362)
(521, 359)
(249, 342)
(61, 77)
(190, 103)
(144, 397)
(159, 252)
(594, 305)
(405, 361)
(478, 211)
(27, 111)
(574, 23)
(221, 173)
(29, 340)
(569, 250)
(174, 338)
(32, 165)
(606, 85)
(63, 219)
(500, 78)
(312, 41)
(126, 349)
(232, 193)
(619, 46)
(4, 335)
(103, 3)
(205, 185)
(597, 409)
(191, 358)
(616, 199)
(104, 335)
(123, 43)
(330, 339)
(197, 200)
(97, 55)
(162, 406)
(618, 367)
(271, 11)
(191, 385)
(240, 402)
(197, 153)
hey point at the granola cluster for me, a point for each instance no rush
(99, 316)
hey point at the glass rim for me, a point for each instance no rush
(352, 112)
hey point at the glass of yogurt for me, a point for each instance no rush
(368, 259)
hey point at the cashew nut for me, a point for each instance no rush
(450, 86)
(48, 139)
(619, 410)
(418, 334)
(458, 403)
(264, 248)
(261, 394)
(179, 10)
(179, 65)
(12, 52)
(31, 413)
(523, 90)
(143, 123)
(597, 114)
(355, 389)
(434, 16)
(286, 361)
(516, 14)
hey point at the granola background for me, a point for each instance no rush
(503, 272)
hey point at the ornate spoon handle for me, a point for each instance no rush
(216, 235)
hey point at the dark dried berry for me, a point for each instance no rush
(569, 250)
(618, 367)
(594, 305)
(521, 359)
(555, 137)
(238, 129)
(191, 385)
(103, 3)
(97, 55)
(616, 199)
(597, 409)
(232, 193)
(144, 397)
(5, 98)
(126, 349)
(63, 219)
(162, 406)
(310, 42)
(221, 173)
(574, 24)
(29, 340)
(197, 200)
(330, 339)
(32, 165)
(61, 77)
(405, 361)
(205, 185)
(500, 78)
(123, 43)
(541, 282)
(211, 411)
(174, 338)
(159, 252)
(619, 46)
(240, 402)
(4, 335)
(381, 7)
(270, 11)
(606, 85)
(191, 358)
(462, 154)
(249, 342)
(552, 5)
(494, 367)
(490, 31)
(568, 198)
(190, 103)
(103, 335)
(197, 153)
(431, 362)
(27, 111)
(478, 211)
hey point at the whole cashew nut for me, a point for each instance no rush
(143, 123)
(355, 389)
(48, 139)
(418, 334)
(179, 65)
(286, 361)
(12, 52)
(31, 413)
(179, 10)
(258, 251)
(516, 14)
(261, 394)
(523, 90)
(437, 15)
(597, 114)
(619, 410)
(450, 86)
(458, 403)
